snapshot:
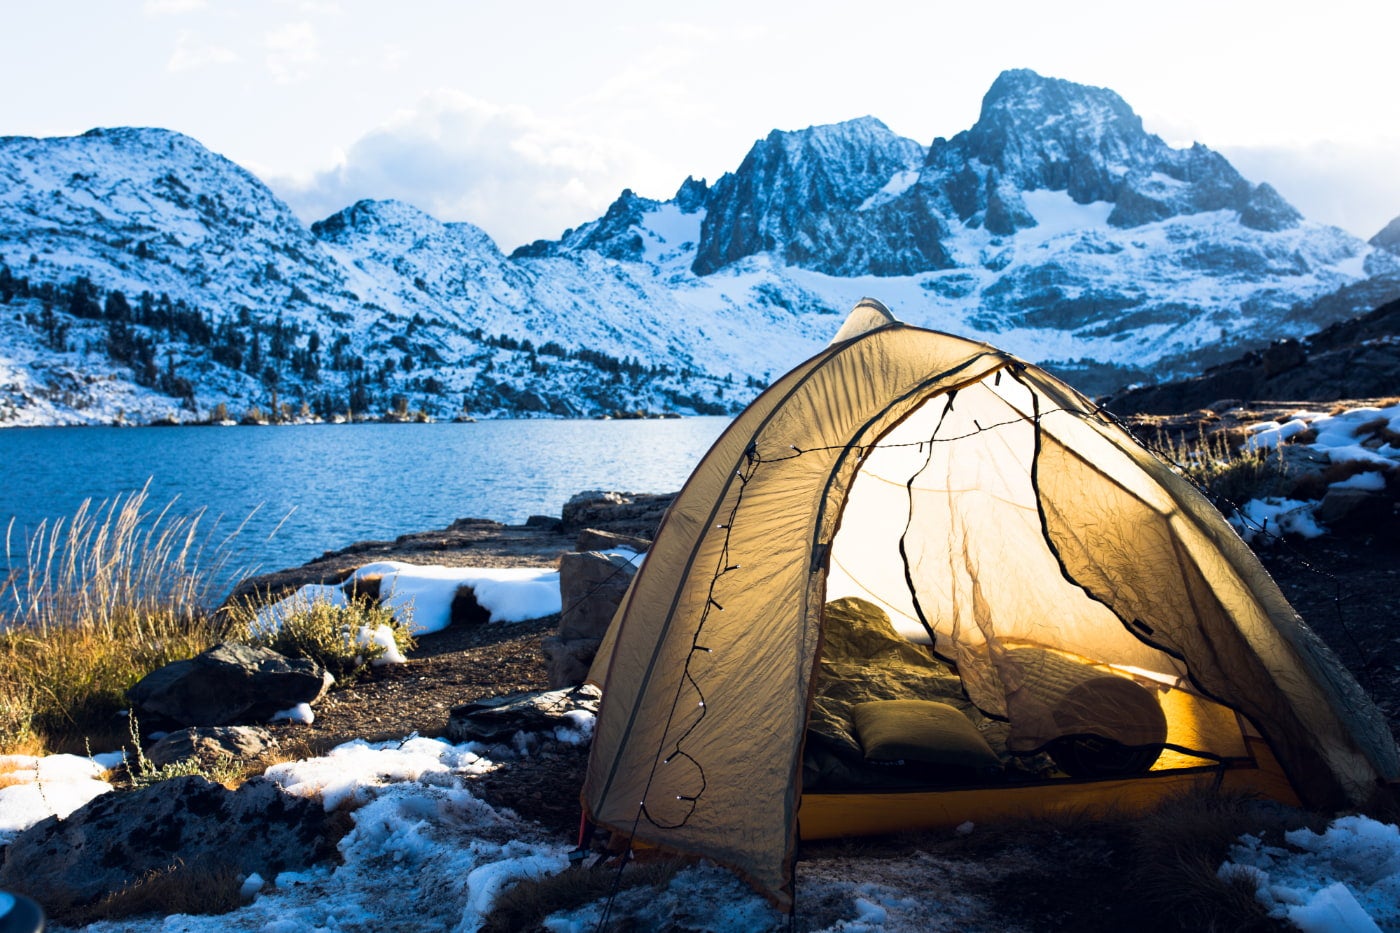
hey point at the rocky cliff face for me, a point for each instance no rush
(1389, 238)
(801, 196)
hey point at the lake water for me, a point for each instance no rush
(313, 488)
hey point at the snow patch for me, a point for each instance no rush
(1346, 878)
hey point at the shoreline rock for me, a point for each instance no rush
(478, 542)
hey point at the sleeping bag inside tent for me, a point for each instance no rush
(919, 581)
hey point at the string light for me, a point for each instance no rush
(723, 567)
(752, 461)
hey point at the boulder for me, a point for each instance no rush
(1358, 511)
(208, 744)
(498, 719)
(591, 585)
(114, 840)
(1281, 356)
(623, 512)
(567, 661)
(229, 683)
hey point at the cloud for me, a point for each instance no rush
(291, 49)
(165, 7)
(463, 159)
(190, 53)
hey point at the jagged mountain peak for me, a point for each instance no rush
(788, 179)
(1056, 227)
(1025, 98)
(1388, 238)
(1037, 133)
(861, 131)
(1047, 133)
(612, 235)
(691, 195)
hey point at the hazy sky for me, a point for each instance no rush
(529, 117)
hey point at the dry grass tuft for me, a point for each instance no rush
(1178, 850)
(201, 888)
(14, 773)
(92, 604)
(1222, 464)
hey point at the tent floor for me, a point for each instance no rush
(864, 813)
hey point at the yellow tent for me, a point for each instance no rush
(963, 592)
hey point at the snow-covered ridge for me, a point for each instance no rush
(1056, 227)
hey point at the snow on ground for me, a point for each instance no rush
(32, 789)
(1357, 436)
(424, 854)
(422, 595)
(427, 854)
(1343, 880)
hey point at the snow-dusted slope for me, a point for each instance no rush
(151, 210)
(223, 296)
(1055, 227)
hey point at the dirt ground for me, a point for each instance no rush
(1347, 588)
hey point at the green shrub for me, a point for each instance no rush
(334, 636)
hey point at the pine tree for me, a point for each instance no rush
(254, 358)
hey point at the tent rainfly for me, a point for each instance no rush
(920, 581)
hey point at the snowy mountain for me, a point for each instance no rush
(149, 274)
(151, 278)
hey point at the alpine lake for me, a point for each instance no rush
(276, 496)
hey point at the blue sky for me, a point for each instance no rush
(526, 119)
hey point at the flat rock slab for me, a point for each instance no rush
(497, 719)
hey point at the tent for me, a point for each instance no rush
(910, 523)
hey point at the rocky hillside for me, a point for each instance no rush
(1354, 359)
(148, 277)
